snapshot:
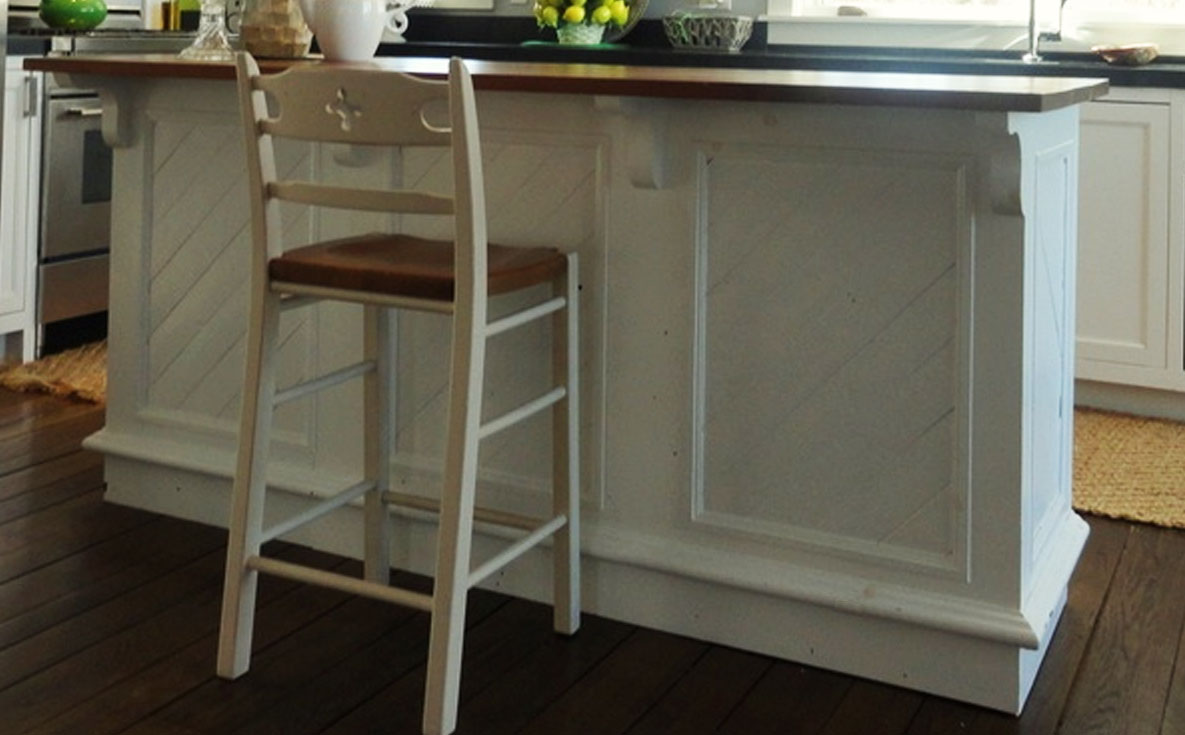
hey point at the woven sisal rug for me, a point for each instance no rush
(1129, 467)
(80, 373)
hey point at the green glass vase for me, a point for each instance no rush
(72, 15)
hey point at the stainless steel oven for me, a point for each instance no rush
(75, 227)
(75, 211)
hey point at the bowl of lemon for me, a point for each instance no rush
(589, 22)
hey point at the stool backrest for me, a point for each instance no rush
(369, 106)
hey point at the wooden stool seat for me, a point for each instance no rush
(402, 265)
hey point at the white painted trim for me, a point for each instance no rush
(1130, 399)
(218, 463)
(846, 593)
(1047, 587)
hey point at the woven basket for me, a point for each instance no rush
(580, 34)
(704, 31)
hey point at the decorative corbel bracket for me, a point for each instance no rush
(1004, 167)
(117, 115)
(647, 152)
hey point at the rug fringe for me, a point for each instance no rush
(79, 374)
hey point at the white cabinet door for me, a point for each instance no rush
(19, 194)
(1128, 299)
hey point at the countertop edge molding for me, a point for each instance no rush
(968, 92)
(842, 592)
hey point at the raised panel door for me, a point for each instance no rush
(1123, 240)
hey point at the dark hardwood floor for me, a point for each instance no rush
(108, 618)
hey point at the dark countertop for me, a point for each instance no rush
(518, 39)
(946, 91)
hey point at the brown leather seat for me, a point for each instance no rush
(402, 265)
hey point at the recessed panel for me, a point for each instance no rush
(830, 295)
(1051, 398)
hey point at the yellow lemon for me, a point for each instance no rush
(602, 15)
(574, 14)
(549, 16)
(577, 3)
(619, 11)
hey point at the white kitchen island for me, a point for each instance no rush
(827, 339)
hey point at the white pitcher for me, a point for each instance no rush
(350, 30)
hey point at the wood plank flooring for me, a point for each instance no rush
(108, 619)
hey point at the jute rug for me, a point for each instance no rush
(80, 373)
(1129, 467)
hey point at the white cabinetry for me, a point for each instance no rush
(18, 210)
(1131, 264)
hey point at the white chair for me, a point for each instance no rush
(368, 106)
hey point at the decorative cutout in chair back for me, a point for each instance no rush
(343, 108)
(359, 106)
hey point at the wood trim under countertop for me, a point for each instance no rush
(970, 92)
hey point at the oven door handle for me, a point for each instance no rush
(83, 111)
(32, 97)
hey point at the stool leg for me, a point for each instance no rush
(457, 499)
(565, 445)
(250, 487)
(378, 388)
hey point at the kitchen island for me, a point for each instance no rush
(827, 346)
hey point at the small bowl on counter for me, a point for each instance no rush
(707, 30)
(1132, 54)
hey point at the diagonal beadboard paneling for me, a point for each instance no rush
(829, 350)
(543, 192)
(197, 298)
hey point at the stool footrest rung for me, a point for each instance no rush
(518, 318)
(362, 297)
(318, 510)
(341, 582)
(485, 515)
(524, 411)
(515, 550)
(325, 381)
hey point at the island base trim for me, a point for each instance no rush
(794, 622)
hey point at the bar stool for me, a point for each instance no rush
(372, 107)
